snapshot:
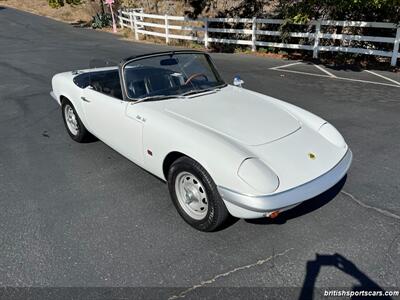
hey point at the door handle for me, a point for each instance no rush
(85, 99)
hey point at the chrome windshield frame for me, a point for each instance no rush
(129, 60)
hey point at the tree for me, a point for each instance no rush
(357, 10)
(301, 11)
(242, 8)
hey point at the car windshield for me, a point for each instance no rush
(172, 74)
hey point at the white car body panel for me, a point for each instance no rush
(63, 86)
(107, 118)
(242, 123)
(220, 130)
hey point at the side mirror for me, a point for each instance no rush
(237, 81)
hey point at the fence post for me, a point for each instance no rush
(395, 54)
(135, 25)
(121, 22)
(316, 38)
(253, 35)
(206, 33)
(166, 29)
(131, 19)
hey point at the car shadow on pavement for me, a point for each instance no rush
(313, 267)
(303, 208)
(90, 139)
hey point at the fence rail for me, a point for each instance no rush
(143, 23)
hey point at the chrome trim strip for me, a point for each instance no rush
(292, 196)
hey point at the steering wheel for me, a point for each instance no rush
(193, 76)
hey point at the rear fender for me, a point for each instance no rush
(64, 87)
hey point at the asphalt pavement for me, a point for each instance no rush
(81, 215)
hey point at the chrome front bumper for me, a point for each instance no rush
(289, 198)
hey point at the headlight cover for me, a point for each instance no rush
(332, 135)
(257, 175)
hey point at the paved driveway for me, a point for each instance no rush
(82, 215)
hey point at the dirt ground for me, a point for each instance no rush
(70, 14)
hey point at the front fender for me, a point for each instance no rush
(220, 156)
(303, 116)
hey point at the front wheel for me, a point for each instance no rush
(76, 130)
(195, 195)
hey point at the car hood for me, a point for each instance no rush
(238, 114)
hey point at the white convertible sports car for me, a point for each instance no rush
(223, 150)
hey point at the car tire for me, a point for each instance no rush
(195, 195)
(75, 128)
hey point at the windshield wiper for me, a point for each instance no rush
(192, 92)
(157, 97)
(180, 96)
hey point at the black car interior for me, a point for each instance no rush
(147, 81)
(106, 82)
(141, 82)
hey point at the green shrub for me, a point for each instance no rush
(60, 3)
(101, 20)
(56, 3)
(73, 2)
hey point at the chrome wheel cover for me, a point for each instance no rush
(191, 195)
(70, 119)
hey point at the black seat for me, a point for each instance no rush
(96, 85)
(144, 81)
(159, 82)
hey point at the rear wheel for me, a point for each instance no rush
(195, 195)
(75, 128)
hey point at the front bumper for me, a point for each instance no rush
(255, 206)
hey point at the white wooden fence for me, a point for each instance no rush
(199, 31)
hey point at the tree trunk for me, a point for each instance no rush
(102, 7)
